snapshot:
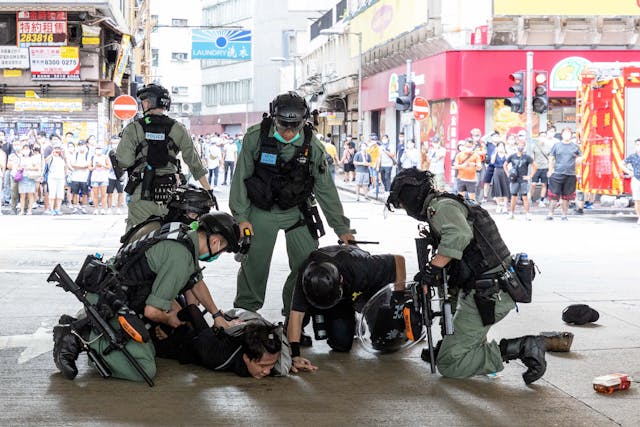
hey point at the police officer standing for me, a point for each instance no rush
(281, 167)
(151, 273)
(148, 151)
(473, 253)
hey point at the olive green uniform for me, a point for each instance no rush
(466, 352)
(132, 135)
(174, 266)
(254, 271)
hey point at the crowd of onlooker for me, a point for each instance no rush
(219, 154)
(40, 171)
(508, 170)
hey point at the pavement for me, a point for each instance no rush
(589, 259)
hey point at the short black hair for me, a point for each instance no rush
(260, 339)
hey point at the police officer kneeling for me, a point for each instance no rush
(145, 277)
(469, 245)
(335, 282)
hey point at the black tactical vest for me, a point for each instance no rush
(135, 275)
(486, 250)
(160, 148)
(276, 182)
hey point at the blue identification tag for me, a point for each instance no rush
(268, 158)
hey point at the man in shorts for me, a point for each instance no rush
(541, 150)
(362, 161)
(80, 163)
(517, 169)
(563, 158)
(467, 163)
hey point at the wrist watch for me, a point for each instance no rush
(217, 314)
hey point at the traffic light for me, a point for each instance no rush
(516, 102)
(540, 101)
(406, 92)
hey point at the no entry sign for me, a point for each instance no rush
(420, 108)
(125, 107)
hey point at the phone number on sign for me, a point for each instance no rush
(55, 61)
(38, 38)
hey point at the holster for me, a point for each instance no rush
(484, 297)
(310, 218)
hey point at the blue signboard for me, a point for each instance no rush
(221, 44)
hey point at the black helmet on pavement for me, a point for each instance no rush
(289, 111)
(221, 223)
(409, 188)
(156, 94)
(321, 284)
(188, 203)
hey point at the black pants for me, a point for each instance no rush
(341, 325)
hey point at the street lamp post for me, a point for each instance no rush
(328, 32)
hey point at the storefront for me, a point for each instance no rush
(466, 89)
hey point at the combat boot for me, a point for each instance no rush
(66, 348)
(530, 350)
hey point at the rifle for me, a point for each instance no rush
(60, 276)
(425, 246)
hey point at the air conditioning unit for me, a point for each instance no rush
(187, 109)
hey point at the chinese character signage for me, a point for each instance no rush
(221, 44)
(14, 57)
(123, 59)
(42, 28)
(55, 62)
(48, 104)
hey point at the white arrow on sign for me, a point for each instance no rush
(40, 342)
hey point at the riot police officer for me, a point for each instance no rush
(150, 274)
(469, 245)
(280, 169)
(148, 151)
(335, 282)
(186, 205)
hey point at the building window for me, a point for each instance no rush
(154, 57)
(179, 56)
(180, 90)
(228, 93)
(179, 22)
(226, 12)
(8, 29)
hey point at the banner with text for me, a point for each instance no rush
(55, 63)
(42, 28)
(221, 44)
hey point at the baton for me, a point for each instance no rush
(358, 242)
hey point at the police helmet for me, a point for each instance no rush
(191, 199)
(321, 284)
(221, 223)
(380, 331)
(409, 188)
(156, 94)
(289, 111)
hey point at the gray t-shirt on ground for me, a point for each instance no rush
(565, 155)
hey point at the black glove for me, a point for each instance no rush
(432, 275)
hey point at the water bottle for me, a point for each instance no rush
(524, 259)
(319, 327)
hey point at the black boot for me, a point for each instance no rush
(530, 350)
(66, 348)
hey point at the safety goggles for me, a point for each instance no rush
(282, 125)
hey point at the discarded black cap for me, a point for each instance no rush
(579, 314)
